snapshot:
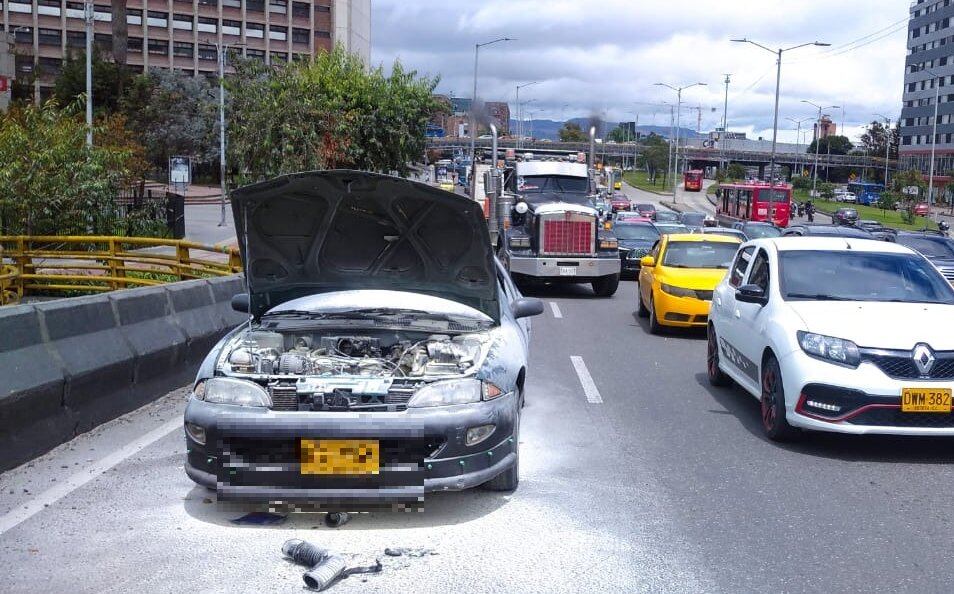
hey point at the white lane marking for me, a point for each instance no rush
(589, 386)
(23, 513)
(556, 309)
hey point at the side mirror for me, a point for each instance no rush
(240, 302)
(751, 294)
(647, 261)
(526, 307)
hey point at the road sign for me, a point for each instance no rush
(910, 190)
(4, 84)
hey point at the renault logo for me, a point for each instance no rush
(923, 358)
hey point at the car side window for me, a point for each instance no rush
(759, 273)
(740, 265)
(655, 251)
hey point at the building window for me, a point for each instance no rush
(102, 13)
(158, 46)
(134, 45)
(208, 25)
(299, 57)
(279, 57)
(23, 35)
(24, 7)
(182, 21)
(75, 39)
(183, 49)
(207, 52)
(50, 66)
(300, 9)
(50, 37)
(48, 7)
(133, 17)
(104, 41)
(208, 2)
(322, 8)
(323, 34)
(231, 27)
(278, 33)
(254, 30)
(300, 35)
(232, 3)
(278, 6)
(254, 54)
(255, 5)
(157, 19)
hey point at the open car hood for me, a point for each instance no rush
(314, 232)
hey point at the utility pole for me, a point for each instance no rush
(817, 139)
(725, 119)
(473, 116)
(88, 16)
(221, 49)
(887, 147)
(678, 91)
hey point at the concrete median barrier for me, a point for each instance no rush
(69, 365)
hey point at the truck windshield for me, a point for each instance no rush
(562, 184)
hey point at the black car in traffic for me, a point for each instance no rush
(845, 216)
(635, 239)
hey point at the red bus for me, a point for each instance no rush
(692, 180)
(753, 201)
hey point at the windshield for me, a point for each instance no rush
(759, 231)
(665, 229)
(644, 232)
(645, 207)
(693, 218)
(861, 276)
(699, 254)
(773, 195)
(666, 215)
(928, 247)
(561, 184)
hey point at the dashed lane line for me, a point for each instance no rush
(586, 380)
(556, 309)
(24, 512)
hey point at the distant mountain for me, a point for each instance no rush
(551, 129)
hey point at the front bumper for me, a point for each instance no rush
(681, 312)
(586, 268)
(254, 454)
(867, 400)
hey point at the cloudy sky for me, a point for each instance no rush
(603, 56)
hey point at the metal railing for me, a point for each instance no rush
(53, 264)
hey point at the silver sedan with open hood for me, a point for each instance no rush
(385, 355)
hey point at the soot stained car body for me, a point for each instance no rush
(385, 355)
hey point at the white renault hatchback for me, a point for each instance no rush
(834, 334)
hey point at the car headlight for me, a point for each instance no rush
(520, 242)
(678, 291)
(450, 392)
(829, 348)
(228, 390)
(609, 244)
(521, 207)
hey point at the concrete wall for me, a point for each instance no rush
(69, 365)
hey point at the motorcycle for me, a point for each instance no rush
(943, 227)
(810, 212)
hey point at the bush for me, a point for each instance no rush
(735, 171)
(801, 182)
(888, 200)
(826, 190)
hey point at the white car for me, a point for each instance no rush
(836, 334)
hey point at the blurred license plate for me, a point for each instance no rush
(567, 270)
(340, 456)
(926, 400)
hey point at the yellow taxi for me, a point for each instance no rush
(678, 276)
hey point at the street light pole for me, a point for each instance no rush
(473, 115)
(88, 16)
(223, 189)
(798, 136)
(520, 111)
(778, 80)
(817, 139)
(678, 91)
(937, 89)
(725, 122)
(887, 147)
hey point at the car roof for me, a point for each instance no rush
(702, 237)
(634, 222)
(829, 244)
(722, 230)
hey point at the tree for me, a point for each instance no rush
(109, 81)
(50, 181)
(826, 190)
(329, 112)
(655, 155)
(840, 145)
(173, 114)
(873, 140)
(120, 31)
(571, 132)
(735, 171)
(620, 134)
(801, 182)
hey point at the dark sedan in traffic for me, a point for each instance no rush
(635, 240)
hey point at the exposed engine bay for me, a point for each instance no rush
(320, 371)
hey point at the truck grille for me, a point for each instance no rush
(948, 273)
(570, 234)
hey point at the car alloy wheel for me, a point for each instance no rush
(774, 422)
(654, 326)
(716, 376)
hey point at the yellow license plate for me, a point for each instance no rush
(340, 456)
(926, 400)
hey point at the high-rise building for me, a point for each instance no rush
(824, 128)
(929, 71)
(183, 34)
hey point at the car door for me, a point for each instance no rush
(646, 273)
(723, 311)
(508, 294)
(749, 329)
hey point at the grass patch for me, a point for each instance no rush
(640, 179)
(889, 218)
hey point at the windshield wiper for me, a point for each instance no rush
(293, 313)
(819, 297)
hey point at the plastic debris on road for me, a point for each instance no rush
(337, 519)
(260, 519)
(326, 567)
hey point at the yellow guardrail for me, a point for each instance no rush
(31, 264)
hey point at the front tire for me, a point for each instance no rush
(717, 377)
(642, 311)
(654, 326)
(774, 421)
(509, 479)
(606, 286)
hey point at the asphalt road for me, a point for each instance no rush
(656, 483)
